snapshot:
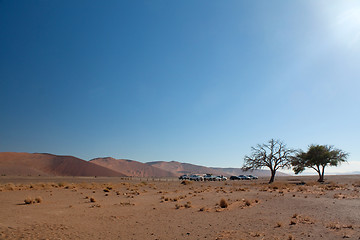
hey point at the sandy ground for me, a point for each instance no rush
(119, 208)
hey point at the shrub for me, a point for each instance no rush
(278, 224)
(185, 182)
(92, 199)
(10, 187)
(223, 203)
(38, 199)
(188, 205)
(28, 200)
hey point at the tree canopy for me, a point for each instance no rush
(273, 155)
(318, 157)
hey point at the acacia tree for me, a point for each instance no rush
(273, 155)
(318, 157)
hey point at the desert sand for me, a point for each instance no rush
(167, 208)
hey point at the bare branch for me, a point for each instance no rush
(273, 155)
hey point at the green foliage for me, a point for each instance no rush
(318, 157)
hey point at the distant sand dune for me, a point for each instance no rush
(50, 165)
(132, 168)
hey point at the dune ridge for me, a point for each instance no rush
(131, 167)
(12, 163)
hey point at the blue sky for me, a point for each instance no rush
(190, 81)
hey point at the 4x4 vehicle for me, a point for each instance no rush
(196, 178)
(209, 177)
(184, 177)
(252, 177)
(221, 178)
(243, 177)
(234, 178)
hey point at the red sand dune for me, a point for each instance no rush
(185, 168)
(179, 168)
(50, 165)
(132, 168)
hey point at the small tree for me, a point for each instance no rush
(318, 157)
(273, 155)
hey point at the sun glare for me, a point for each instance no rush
(347, 27)
(344, 21)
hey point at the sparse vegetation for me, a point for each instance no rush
(318, 157)
(223, 203)
(292, 222)
(187, 204)
(236, 197)
(38, 199)
(28, 200)
(186, 182)
(273, 155)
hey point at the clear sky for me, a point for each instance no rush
(189, 81)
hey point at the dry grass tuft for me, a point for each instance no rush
(28, 200)
(247, 203)
(223, 203)
(338, 226)
(95, 206)
(187, 205)
(279, 186)
(356, 184)
(301, 219)
(38, 199)
(10, 187)
(292, 222)
(185, 182)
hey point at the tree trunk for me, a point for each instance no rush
(272, 176)
(321, 175)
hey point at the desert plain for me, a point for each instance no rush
(168, 208)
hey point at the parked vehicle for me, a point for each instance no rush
(243, 177)
(184, 177)
(221, 178)
(209, 177)
(252, 177)
(196, 178)
(235, 178)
